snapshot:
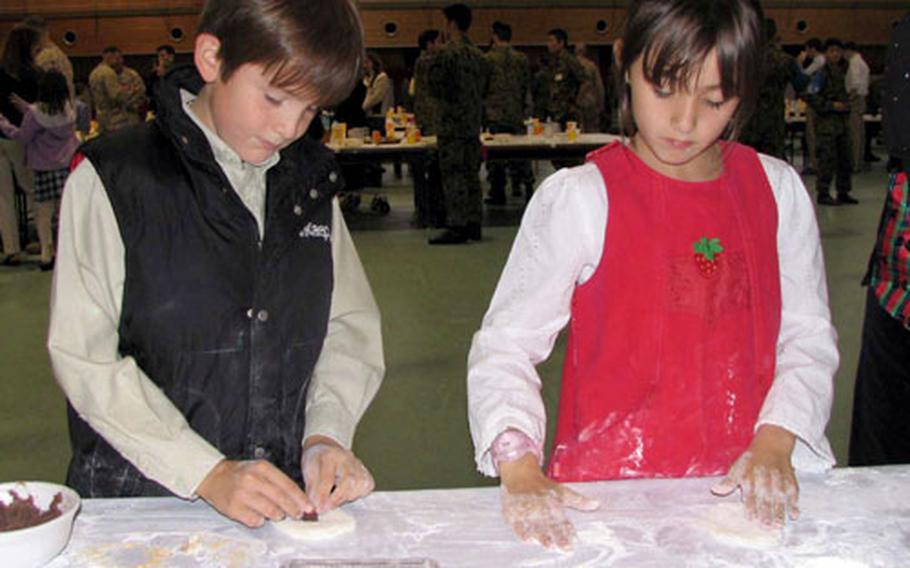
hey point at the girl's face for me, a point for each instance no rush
(678, 129)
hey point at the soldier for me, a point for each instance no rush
(505, 109)
(766, 131)
(591, 95)
(429, 206)
(118, 92)
(827, 95)
(424, 105)
(566, 77)
(458, 79)
(812, 53)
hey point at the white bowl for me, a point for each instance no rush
(35, 546)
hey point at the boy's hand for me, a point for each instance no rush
(252, 491)
(332, 475)
(769, 487)
(533, 504)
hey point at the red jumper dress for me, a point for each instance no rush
(672, 341)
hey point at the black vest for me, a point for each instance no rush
(228, 327)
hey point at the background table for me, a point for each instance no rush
(850, 518)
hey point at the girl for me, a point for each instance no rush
(690, 271)
(48, 132)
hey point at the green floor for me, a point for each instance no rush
(415, 434)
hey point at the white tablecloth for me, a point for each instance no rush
(850, 518)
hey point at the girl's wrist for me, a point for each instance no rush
(511, 446)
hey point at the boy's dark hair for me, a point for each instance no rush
(815, 44)
(502, 31)
(460, 14)
(166, 48)
(53, 92)
(850, 45)
(18, 50)
(770, 30)
(37, 23)
(561, 35)
(110, 49)
(427, 37)
(315, 47)
(833, 42)
(673, 38)
(377, 63)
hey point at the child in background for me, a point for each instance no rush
(211, 324)
(48, 133)
(689, 269)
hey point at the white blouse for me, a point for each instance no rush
(559, 246)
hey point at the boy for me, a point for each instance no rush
(206, 278)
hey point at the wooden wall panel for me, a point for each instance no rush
(141, 33)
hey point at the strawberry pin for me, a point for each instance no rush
(707, 257)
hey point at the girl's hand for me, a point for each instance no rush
(533, 504)
(769, 487)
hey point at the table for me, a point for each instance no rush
(421, 157)
(796, 128)
(555, 147)
(850, 518)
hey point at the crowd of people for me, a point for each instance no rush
(44, 114)
(214, 343)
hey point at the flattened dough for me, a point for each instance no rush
(727, 522)
(330, 525)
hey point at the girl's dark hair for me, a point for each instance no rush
(313, 47)
(673, 38)
(53, 92)
(17, 53)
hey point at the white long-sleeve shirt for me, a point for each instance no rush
(817, 63)
(857, 78)
(119, 400)
(379, 92)
(559, 246)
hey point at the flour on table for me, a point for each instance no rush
(727, 522)
(330, 525)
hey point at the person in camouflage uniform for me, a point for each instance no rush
(425, 106)
(458, 77)
(505, 111)
(429, 204)
(566, 76)
(766, 131)
(592, 96)
(540, 87)
(827, 95)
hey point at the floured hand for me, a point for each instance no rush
(332, 474)
(534, 505)
(770, 491)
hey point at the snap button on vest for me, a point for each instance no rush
(263, 316)
(298, 210)
(333, 177)
(249, 313)
(314, 194)
(259, 452)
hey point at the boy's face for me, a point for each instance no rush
(254, 117)
(834, 54)
(553, 44)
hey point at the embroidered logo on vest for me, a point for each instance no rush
(314, 231)
(707, 255)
